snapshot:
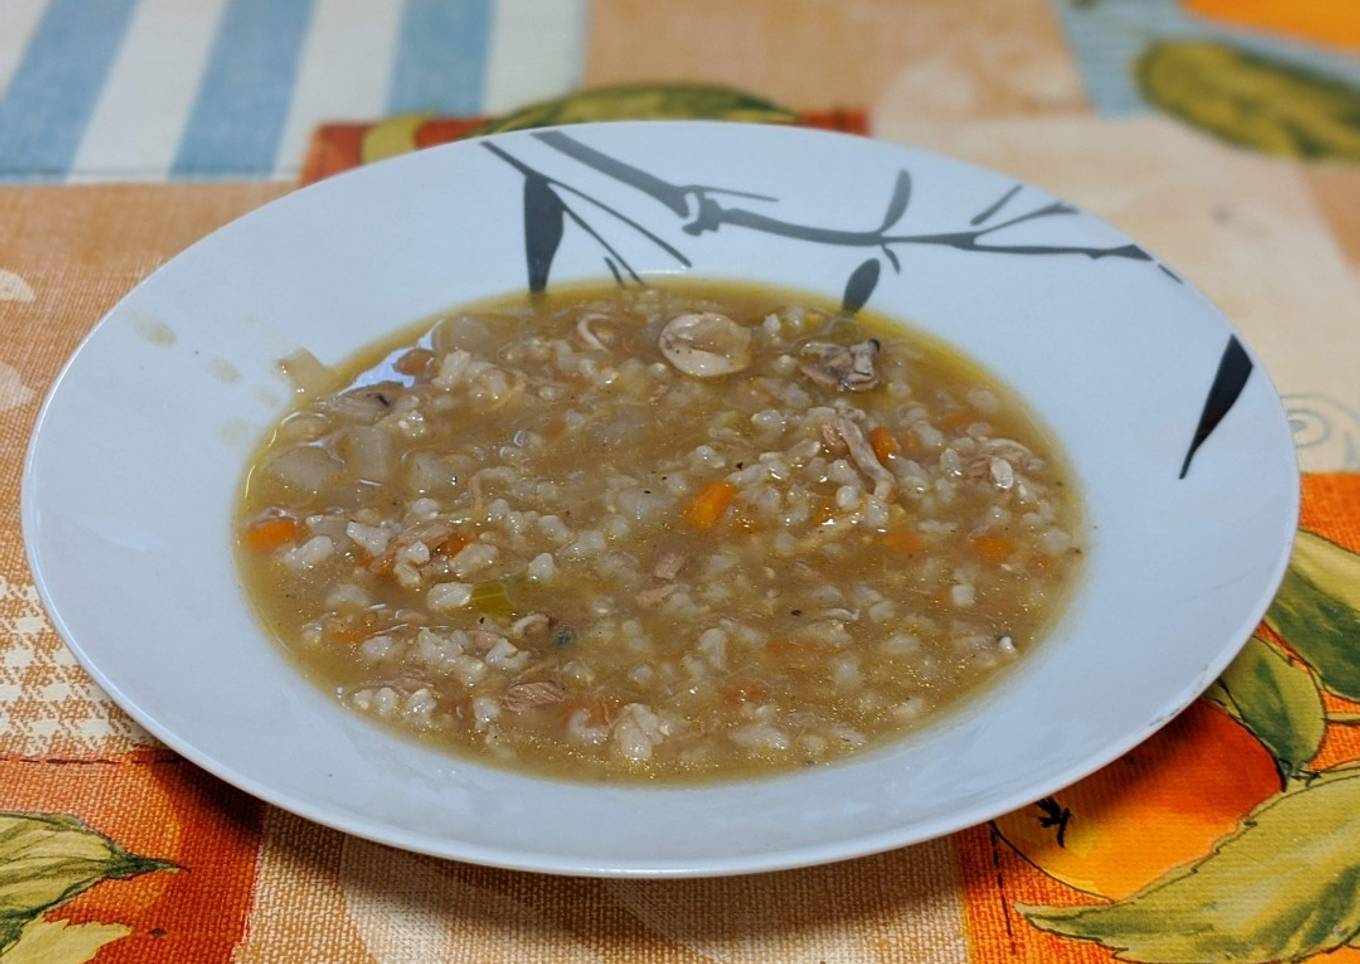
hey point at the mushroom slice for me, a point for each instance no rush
(844, 368)
(832, 442)
(706, 344)
(524, 696)
(669, 566)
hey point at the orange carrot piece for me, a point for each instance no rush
(903, 540)
(708, 505)
(885, 446)
(270, 534)
(452, 545)
(993, 548)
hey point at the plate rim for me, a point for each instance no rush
(846, 847)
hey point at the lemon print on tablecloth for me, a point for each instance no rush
(643, 102)
(400, 134)
(1251, 99)
(1221, 838)
(45, 860)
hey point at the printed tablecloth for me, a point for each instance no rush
(1224, 134)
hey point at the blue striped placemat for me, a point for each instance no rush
(154, 90)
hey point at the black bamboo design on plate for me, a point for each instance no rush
(549, 203)
(1234, 367)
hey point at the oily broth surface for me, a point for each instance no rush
(807, 620)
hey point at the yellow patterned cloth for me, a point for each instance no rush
(114, 849)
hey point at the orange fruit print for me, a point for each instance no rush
(1126, 825)
(1168, 804)
(157, 805)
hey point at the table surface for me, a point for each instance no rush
(130, 128)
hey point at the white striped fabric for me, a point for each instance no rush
(537, 51)
(234, 88)
(140, 114)
(20, 19)
(345, 72)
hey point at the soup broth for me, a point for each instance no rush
(685, 532)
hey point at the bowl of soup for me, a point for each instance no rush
(659, 499)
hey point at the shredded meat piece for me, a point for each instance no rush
(863, 456)
(588, 334)
(669, 566)
(840, 367)
(1006, 448)
(995, 469)
(532, 626)
(1001, 473)
(524, 696)
(430, 533)
(650, 597)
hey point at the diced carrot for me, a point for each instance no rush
(903, 540)
(270, 534)
(993, 548)
(885, 446)
(954, 420)
(453, 544)
(709, 504)
(414, 361)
